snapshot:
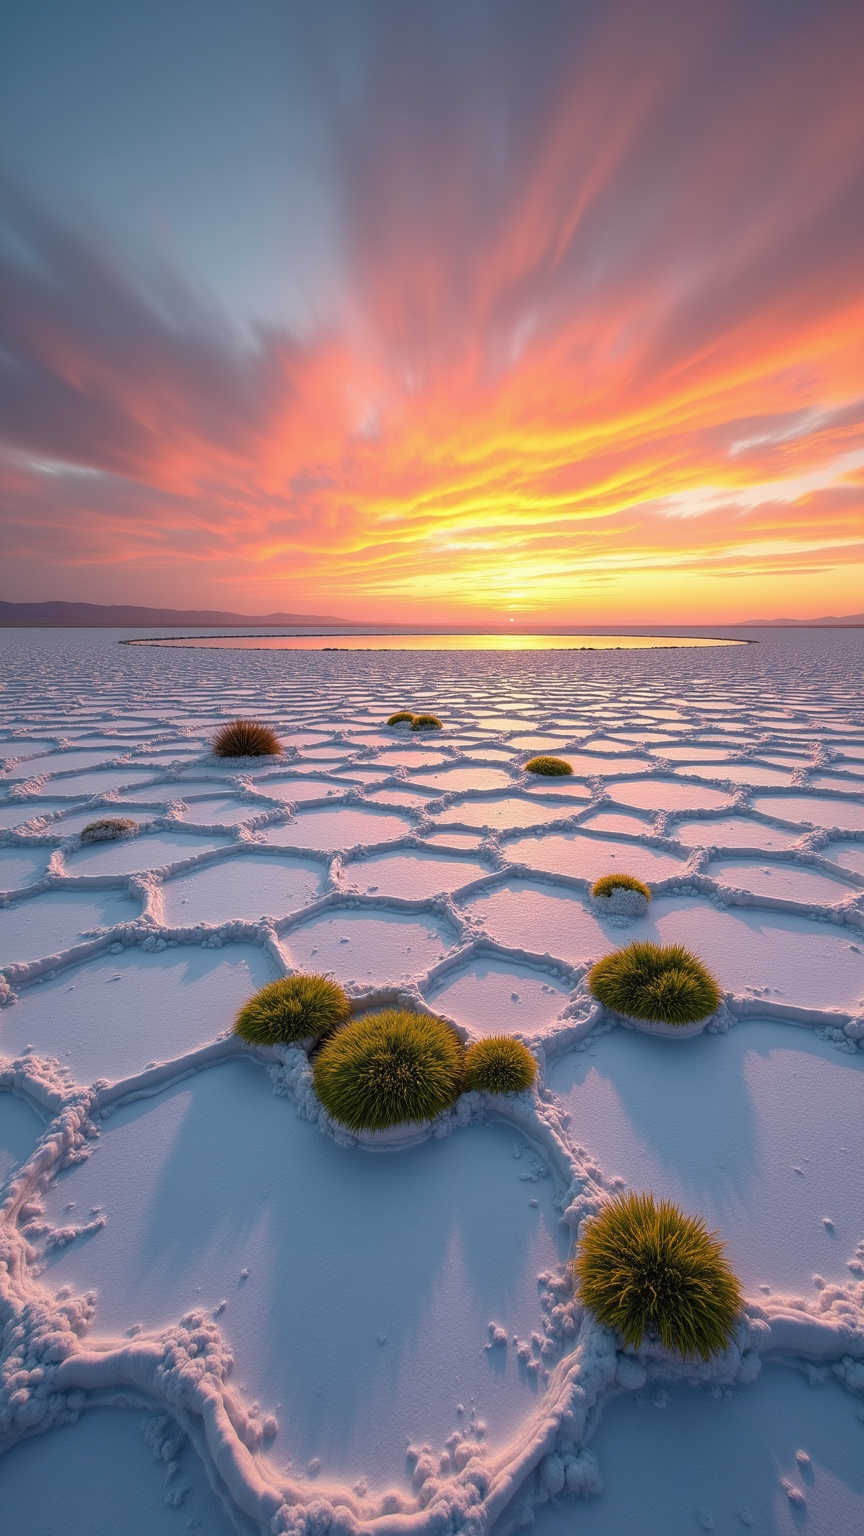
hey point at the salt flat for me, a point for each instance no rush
(401, 1327)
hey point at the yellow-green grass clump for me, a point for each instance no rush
(389, 1068)
(107, 829)
(607, 884)
(659, 983)
(401, 717)
(644, 1267)
(293, 1008)
(426, 723)
(549, 767)
(246, 738)
(499, 1064)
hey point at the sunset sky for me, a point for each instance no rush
(430, 311)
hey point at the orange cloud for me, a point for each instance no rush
(600, 356)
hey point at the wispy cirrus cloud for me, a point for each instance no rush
(598, 347)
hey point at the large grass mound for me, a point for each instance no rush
(389, 1068)
(499, 1064)
(660, 983)
(608, 884)
(549, 767)
(426, 723)
(644, 1267)
(401, 717)
(292, 1009)
(246, 738)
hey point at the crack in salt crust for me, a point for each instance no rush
(799, 719)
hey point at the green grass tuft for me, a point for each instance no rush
(401, 717)
(426, 723)
(292, 1009)
(246, 738)
(645, 1267)
(550, 767)
(108, 829)
(499, 1064)
(609, 883)
(388, 1068)
(662, 984)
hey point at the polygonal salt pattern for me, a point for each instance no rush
(369, 950)
(216, 1177)
(702, 773)
(114, 1015)
(55, 920)
(414, 875)
(247, 886)
(497, 997)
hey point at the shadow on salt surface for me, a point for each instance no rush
(850, 855)
(176, 789)
(98, 1477)
(343, 827)
(759, 1129)
(794, 881)
(129, 856)
(38, 926)
(523, 915)
(372, 1280)
(409, 756)
(491, 997)
(247, 887)
(57, 758)
(619, 821)
(401, 798)
(512, 811)
(20, 1129)
(369, 950)
(21, 866)
(99, 780)
(416, 874)
(221, 812)
(16, 813)
(731, 832)
(112, 1017)
(740, 773)
(566, 853)
(789, 959)
(288, 790)
(464, 777)
(820, 810)
(669, 1455)
(667, 795)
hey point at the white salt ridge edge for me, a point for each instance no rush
(186, 1368)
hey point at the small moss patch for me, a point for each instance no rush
(389, 1068)
(426, 723)
(292, 1009)
(660, 983)
(643, 1266)
(401, 717)
(246, 738)
(609, 883)
(108, 829)
(549, 767)
(499, 1064)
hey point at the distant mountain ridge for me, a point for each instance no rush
(123, 616)
(60, 615)
(830, 622)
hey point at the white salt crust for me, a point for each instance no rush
(53, 1365)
